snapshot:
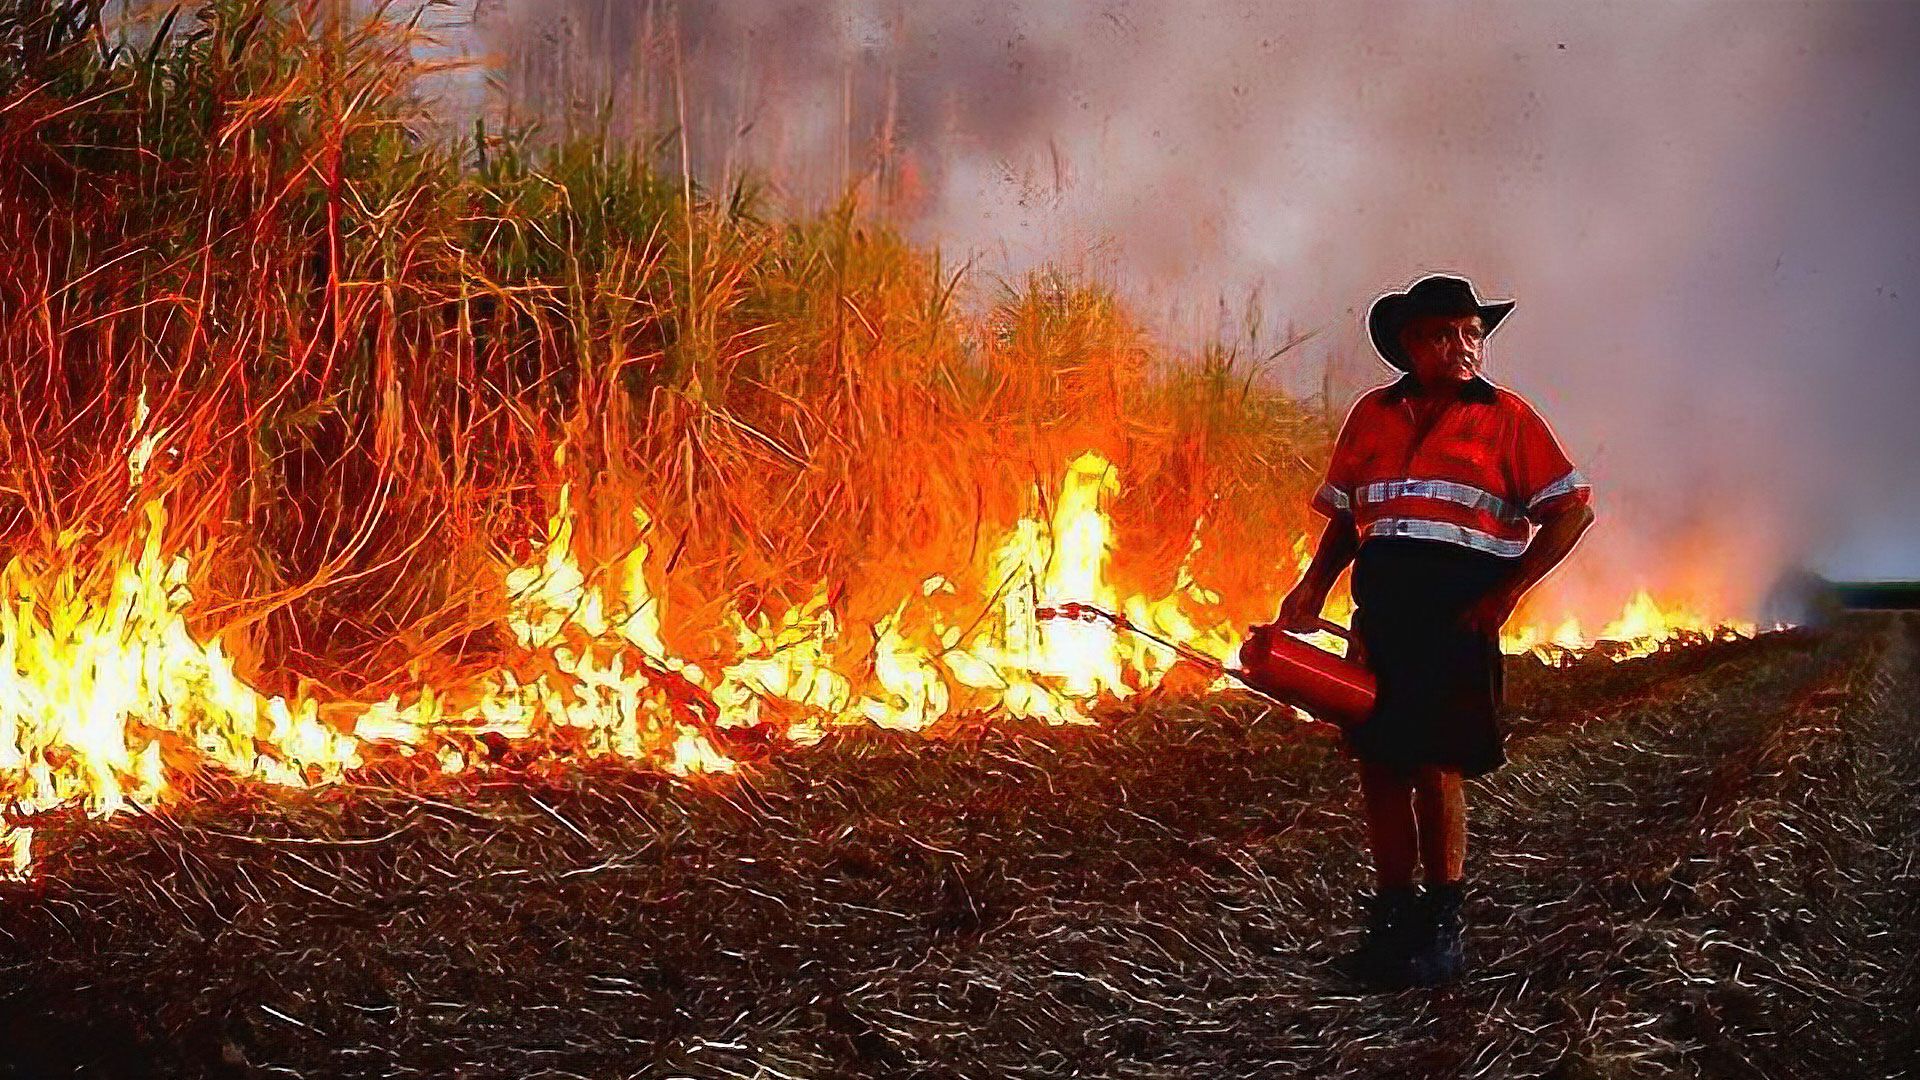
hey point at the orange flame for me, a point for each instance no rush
(107, 701)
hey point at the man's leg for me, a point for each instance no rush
(1440, 812)
(1385, 957)
(1388, 794)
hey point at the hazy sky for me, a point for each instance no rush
(1703, 210)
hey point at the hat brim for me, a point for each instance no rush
(1391, 313)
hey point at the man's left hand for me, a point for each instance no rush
(1490, 612)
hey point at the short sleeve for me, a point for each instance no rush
(1544, 477)
(1335, 496)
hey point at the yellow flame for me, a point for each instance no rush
(1641, 628)
(96, 689)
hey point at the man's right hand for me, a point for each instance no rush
(1300, 611)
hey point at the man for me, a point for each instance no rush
(1436, 486)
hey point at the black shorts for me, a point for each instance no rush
(1440, 685)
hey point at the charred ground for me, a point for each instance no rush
(1698, 863)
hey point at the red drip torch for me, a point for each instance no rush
(1273, 663)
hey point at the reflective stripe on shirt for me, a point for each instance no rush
(1447, 532)
(1465, 495)
(1566, 485)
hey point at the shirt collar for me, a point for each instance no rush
(1477, 390)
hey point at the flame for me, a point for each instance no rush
(101, 689)
(109, 702)
(1642, 627)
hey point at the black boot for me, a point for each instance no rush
(1384, 958)
(1441, 956)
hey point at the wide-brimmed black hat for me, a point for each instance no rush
(1436, 294)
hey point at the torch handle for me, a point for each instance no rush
(1333, 628)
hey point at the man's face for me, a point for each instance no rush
(1445, 350)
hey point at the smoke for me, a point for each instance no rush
(1703, 210)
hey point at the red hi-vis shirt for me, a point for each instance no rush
(1482, 471)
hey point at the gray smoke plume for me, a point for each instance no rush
(1703, 209)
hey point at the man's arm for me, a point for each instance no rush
(1550, 547)
(1338, 542)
